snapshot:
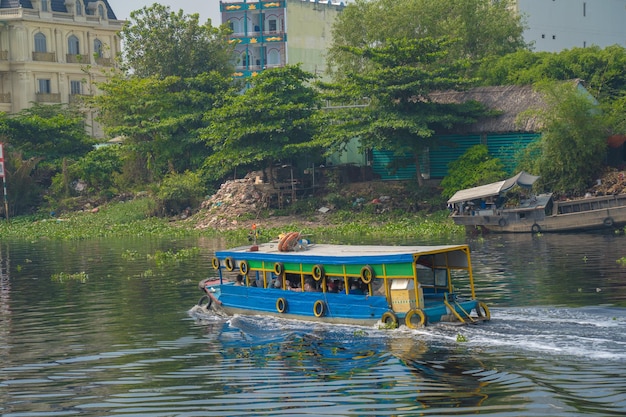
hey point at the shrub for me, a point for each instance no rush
(475, 167)
(178, 192)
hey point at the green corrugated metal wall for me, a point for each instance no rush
(456, 145)
(506, 147)
(435, 162)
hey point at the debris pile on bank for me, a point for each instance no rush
(236, 200)
(612, 182)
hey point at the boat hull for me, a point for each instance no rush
(598, 213)
(346, 284)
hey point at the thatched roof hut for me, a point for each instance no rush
(513, 103)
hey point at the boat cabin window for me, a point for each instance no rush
(435, 278)
(441, 278)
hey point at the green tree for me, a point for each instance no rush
(569, 155)
(475, 167)
(161, 43)
(401, 116)
(159, 120)
(51, 132)
(482, 27)
(602, 69)
(271, 121)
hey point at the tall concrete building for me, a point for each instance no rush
(273, 33)
(554, 25)
(46, 46)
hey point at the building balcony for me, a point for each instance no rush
(4, 55)
(74, 59)
(104, 62)
(77, 98)
(48, 98)
(44, 56)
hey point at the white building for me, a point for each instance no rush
(555, 25)
(46, 46)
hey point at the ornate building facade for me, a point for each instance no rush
(53, 51)
(274, 33)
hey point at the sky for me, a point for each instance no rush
(208, 9)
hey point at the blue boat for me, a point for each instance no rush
(346, 284)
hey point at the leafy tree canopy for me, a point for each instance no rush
(602, 69)
(570, 153)
(483, 27)
(161, 43)
(159, 118)
(402, 116)
(271, 121)
(51, 132)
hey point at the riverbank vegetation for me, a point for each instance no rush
(133, 218)
(183, 126)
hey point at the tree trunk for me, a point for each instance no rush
(418, 170)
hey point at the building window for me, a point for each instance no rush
(73, 45)
(97, 48)
(40, 43)
(79, 8)
(75, 87)
(273, 57)
(272, 26)
(44, 86)
(584, 9)
(101, 11)
(44, 5)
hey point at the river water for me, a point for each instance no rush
(104, 328)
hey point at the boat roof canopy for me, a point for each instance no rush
(522, 179)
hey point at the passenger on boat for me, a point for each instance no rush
(331, 286)
(355, 288)
(309, 285)
(293, 282)
(278, 282)
(239, 280)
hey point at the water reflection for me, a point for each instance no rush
(122, 341)
(551, 269)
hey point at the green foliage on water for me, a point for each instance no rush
(131, 218)
(64, 276)
(365, 226)
(135, 218)
(162, 258)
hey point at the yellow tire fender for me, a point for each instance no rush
(244, 268)
(389, 318)
(281, 305)
(318, 272)
(229, 263)
(415, 319)
(367, 274)
(483, 311)
(319, 308)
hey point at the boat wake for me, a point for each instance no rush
(597, 333)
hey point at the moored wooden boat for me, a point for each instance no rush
(487, 208)
(347, 284)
